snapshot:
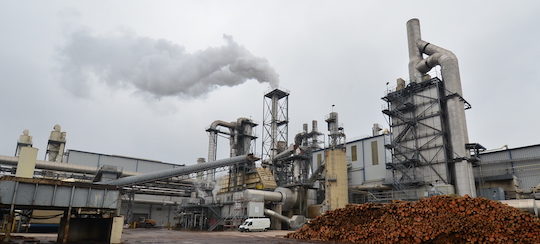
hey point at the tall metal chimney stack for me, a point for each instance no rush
(455, 104)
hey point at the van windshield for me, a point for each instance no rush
(247, 222)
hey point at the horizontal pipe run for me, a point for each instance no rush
(529, 205)
(284, 154)
(65, 167)
(186, 170)
(271, 196)
(149, 201)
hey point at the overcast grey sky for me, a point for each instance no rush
(325, 52)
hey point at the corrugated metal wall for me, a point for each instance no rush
(523, 163)
(124, 163)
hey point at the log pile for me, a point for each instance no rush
(439, 219)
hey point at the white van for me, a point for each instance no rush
(258, 224)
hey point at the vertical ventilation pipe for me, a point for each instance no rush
(415, 56)
(273, 127)
(212, 141)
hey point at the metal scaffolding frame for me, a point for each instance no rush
(420, 141)
(275, 123)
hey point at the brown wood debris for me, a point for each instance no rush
(439, 219)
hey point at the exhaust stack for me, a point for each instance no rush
(418, 67)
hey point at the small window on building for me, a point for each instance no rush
(319, 160)
(354, 155)
(374, 153)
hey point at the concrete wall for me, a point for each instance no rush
(337, 195)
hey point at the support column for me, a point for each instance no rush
(8, 227)
(63, 230)
(67, 218)
(11, 217)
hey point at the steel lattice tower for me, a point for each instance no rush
(275, 124)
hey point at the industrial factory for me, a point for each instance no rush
(423, 150)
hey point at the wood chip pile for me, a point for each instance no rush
(439, 219)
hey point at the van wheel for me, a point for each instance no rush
(265, 229)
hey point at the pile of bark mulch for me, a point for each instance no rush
(438, 219)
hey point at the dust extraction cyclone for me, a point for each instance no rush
(158, 66)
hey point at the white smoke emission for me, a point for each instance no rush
(158, 66)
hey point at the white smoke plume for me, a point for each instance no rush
(158, 66)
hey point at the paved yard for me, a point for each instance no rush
(137, 236)
(171, 236)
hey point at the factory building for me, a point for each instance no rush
(424, 152)
(366, 161)
(500, 174)
(509, 173)
(160, 208)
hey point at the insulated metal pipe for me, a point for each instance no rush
(449, 65)
(212, 142)
(300, 138)
(243, 136)
(274, 214)
(457, 123)
(415, 56)
(186, 170)
(265, 195)
(285, 196)
(314, 133)
(273, 126)
(529, 205)
(66, 167)
(212, 146)
(284, 154)
(456, 113)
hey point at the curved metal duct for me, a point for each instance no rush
(272, 213)
(213, 133)
(295, 222)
